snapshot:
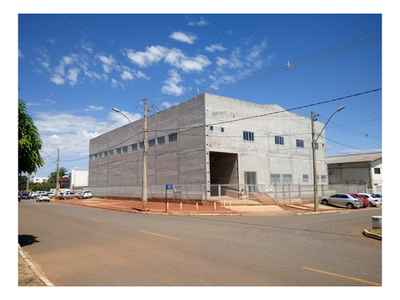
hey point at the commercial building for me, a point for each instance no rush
(357, 169)
(208, 140)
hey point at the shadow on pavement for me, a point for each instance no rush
(26, 239)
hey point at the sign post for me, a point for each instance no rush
(167, 187)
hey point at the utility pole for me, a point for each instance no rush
(145, 145)
(58, 175)
(314, 162)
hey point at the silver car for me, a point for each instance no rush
(346, 200)
(43, 197)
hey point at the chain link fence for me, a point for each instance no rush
(246, 194)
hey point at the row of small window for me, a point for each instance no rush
(287, 178)
(173, 137)
(279, 140)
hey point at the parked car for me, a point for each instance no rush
(33, 195)
(68, 195)
(363, 199)
(84, 195)
(346, 200)
(373, 201)
(25, 196)
(51, 195)
(43, 197)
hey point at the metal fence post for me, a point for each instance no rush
(290, 196)
(219, 193)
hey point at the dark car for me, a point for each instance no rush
(25, 196)
(364, 199)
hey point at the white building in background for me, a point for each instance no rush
(207, 140)
(78, 180)
(35, 179)
(359, 168)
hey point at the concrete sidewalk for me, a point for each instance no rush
(201, 208)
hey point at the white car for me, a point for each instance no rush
(85, 195)
(372, 200)
(43, 197)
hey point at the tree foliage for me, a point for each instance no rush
(61, 172)
(29, 142)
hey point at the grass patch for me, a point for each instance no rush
(376, 231)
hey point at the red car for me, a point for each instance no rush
(364, 200)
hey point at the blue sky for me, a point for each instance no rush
(72, 69)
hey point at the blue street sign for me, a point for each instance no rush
(169, 187)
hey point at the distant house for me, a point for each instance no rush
(361, 168)
(35, 179)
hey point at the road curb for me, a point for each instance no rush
(372, 235)
(32, 266)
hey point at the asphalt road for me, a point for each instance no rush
(80, 246)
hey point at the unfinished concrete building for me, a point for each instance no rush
(205, 141)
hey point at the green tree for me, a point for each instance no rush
(29, 142)
(53, 175)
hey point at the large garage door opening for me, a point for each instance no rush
(224, 171)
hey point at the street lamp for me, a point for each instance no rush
(144, 180)
(314, 141)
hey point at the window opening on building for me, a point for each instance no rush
(125, 149)
(275, 178)
(305, 177)
(152, 142)
(105, 154)
(134, 147)
(141, 145)
(173, 137)
(377, 170)
(287, 178)
(111, 152)
(161, 140)
(300, 143)
(211, 127)
(279, 140)
(248, 136)
(119, 151)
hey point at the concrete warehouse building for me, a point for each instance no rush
(208, 139)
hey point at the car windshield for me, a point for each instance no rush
(354, 196)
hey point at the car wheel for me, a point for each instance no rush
(349, 205)
(325, 202)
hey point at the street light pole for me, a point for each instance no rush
(314, 142)
(144, 182)
(145, 145)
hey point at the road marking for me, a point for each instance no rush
(161, 235)
(100, 221)
(343, 276)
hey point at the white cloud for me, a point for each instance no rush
(183, 37)
(109, 63)
(50, 101)
(94, 108)
(171, 87)
(201, 22)
(126, 75)
(215, 47)
(174, 57)
(57, 79)
(73, 76)
(152, 55)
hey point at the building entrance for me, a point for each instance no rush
(223, 171)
